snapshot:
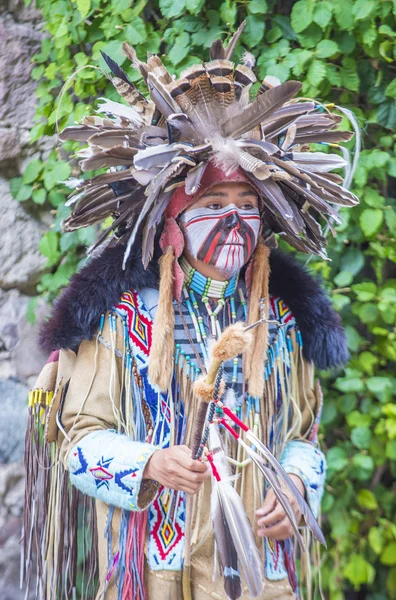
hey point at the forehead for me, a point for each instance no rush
(231, 187)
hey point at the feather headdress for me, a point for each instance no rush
(156, 144)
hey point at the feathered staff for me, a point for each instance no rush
(226, 505)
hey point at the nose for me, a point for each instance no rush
(233, 221)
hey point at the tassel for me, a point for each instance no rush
(161, 364)
(256, 354)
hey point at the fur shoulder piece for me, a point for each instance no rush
(91, 292)
(99, 285)
(324, 339)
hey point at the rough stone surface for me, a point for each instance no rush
(9, 143)
(20, 356)
(12, 427)
(18, 43)
(21, 263)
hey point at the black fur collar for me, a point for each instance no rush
(99, 285)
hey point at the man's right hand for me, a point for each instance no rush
(175, 468)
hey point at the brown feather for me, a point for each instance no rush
(217, 50)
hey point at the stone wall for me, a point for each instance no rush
(21, 266)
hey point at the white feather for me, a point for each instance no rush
(120, 110)
(319, 161)
(237, 521)
(226, 153)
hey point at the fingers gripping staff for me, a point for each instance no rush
(234, 538)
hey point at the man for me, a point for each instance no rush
(204, 179)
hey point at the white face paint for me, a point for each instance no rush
(224, 238)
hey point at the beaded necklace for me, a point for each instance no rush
(193, 284)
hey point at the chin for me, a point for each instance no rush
(228, 272)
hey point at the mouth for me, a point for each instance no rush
(233, 244)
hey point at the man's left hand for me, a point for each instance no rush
(272, 521)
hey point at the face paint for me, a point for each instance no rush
(224, 238)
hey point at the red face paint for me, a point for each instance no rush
(224, 238)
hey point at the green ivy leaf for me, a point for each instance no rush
(391, 89)
(136, 31)
(366, 499)
(343, 12)
(179, 49)
(365, 291)
(343, 279)
(376, 539)
(361, 437)
(352, 261)
(316, 72)
(254, 30)
(39, 196)
(373, 198)
(371, 220)
(32, 171)
(363, 9)
(172, 8)
(59, 172)
(326, 48)
(349, 384)
(323, 12)
(337, 459)
(84, 6)
(228, 12)
(388, 556)
(301, 15)
(49, 247)
(258, 7)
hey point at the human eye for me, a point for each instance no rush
(248, 206)
(214, 206)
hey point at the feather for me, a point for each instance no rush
(116, 69)
(114, 137)
(262, 107)
(318, 161)
(111, 157)
(156, 156)
(248, 60)
(192, 72)
(152, 221)
(107, 178)
(194, 177)
(226, 549)
(281, 473)
(78, 133)
(268, 82)
(235, 516)
(144, 177)
(217, 50)
(335, 193)
(273, 194)
(145, 209)
(182, 122)
(244, 75)
(138, 64)
(161, 96)
(157, 68)
(220, 68)
(120, 110)
(330, 137)
(234, 40)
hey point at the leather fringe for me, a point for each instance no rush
(160, 368)
(257, 353)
